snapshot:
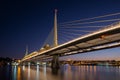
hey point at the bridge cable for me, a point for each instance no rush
(99, 21)
(49, 39)
(80, 27)
(91, 18)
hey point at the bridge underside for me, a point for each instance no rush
(102, 41)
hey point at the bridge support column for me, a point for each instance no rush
(37, 63)
(28, 63)
(55, 62)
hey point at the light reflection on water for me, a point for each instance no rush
(14, 70)
(44, 69)
(23, 67)
(28, 72)
(37, 73)
(19, 73)
(66, 72)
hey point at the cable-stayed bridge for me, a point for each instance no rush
(103, 36)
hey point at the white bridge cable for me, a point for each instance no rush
(49, 39)
(92, 22)
(66, 38)
(62, 39)
(70, 36)
(71, 33)
(108, 15)
(72, 30)
(64, 27)
(76, 30)
(64, 32)
(67, 34)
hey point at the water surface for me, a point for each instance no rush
(66, 72)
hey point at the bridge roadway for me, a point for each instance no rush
(107, 37)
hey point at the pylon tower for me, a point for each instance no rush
(26, 53)
(55, 29)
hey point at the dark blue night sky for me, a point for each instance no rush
(28, 22)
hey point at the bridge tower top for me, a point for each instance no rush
(55, 29)
(26, 53)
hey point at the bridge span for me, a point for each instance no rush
(104, 38)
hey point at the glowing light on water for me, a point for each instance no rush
(37, 73)
(23, 67)
(28, 72)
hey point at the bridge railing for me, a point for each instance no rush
(106, 27)
(111, 25)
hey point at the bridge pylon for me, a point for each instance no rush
(26, 51)
(55, 59)
(55, 29)
(55, 62)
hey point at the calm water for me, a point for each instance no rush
(65, 73)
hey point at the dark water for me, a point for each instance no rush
(65, 73)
